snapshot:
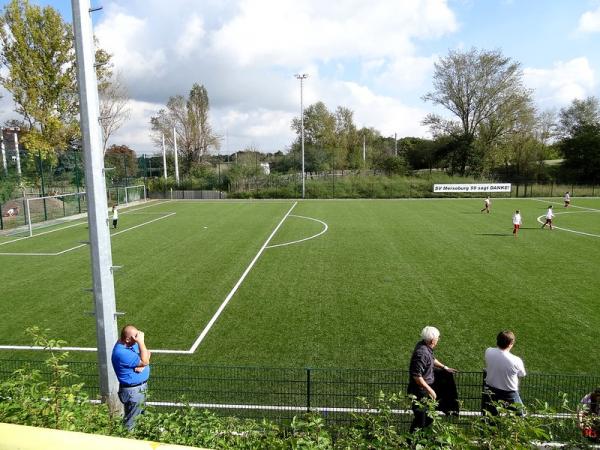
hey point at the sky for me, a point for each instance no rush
(375, 57)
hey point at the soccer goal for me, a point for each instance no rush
(126, 194)
(52, 208)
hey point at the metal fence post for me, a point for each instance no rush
(308, 389)
(1, 222)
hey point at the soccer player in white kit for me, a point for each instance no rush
(549, 217)
(486, 205)
(517, 221)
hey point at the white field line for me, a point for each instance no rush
(83, 245)
(559, 203)
(78, 349)
(154, 203)
(231, 202)
(238, 284)
(45, 232)
(210, 323)
(541, 219)
(143, 224)
(127, 211)
(27, 254)
(305, 239)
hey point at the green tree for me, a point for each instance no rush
(123, 160)
(582, 154)
(114, 107)
(579, 114)
(39, 71)
(189, 118)
(480, 88)
(331, 138)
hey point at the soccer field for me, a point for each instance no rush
(338, 283)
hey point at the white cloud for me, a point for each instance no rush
(589, 22)
(562, 83)
(135, 133)
(406, 73)
(136, 61)
(246, 51)
(387, 114)
(288, 32)
(191, 36)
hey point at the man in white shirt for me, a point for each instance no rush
(549, 217)
(486, 205)
(503, 370)
(567, 199)
(516, 222)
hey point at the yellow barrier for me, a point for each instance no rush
(21, 437)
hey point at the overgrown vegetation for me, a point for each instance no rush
(52, 400)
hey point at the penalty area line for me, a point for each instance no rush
(238, 284)
(166, 215)
(80, 349)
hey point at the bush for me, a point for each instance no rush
(27, 398)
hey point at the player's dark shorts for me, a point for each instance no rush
(548, 221)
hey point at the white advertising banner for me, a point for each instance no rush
(476, 187)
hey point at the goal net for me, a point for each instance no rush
(48, 210)
(126, 194)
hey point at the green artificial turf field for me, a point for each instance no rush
(356, 295)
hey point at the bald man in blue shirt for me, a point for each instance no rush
(131, 362)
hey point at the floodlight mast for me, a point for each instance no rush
(100, 247)
(176, 159)
(302, 77)
(3, 148)
(164, 157)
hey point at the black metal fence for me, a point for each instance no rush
(282, 393)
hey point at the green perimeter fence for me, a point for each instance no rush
(282, 393)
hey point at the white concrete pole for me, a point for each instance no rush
(302, 77)
(100, 246)
(164, 156)
(176, 158)
(16, 136)
(3, 147)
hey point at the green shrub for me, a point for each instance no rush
(54, 401)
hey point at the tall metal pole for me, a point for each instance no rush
(42, 180)
(3, 147)
(164, 157)
(16, 137)
(302, 78)
(100, 246)
(176, 158)
(395, 145)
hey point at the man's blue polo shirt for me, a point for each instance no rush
(124, 360)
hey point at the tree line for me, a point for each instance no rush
(492, 127)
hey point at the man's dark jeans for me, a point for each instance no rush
(421, 419)
(494, 395)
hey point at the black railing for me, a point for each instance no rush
(281, 393)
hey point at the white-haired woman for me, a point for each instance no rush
(421, 375)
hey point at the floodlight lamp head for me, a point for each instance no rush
(301, 76)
